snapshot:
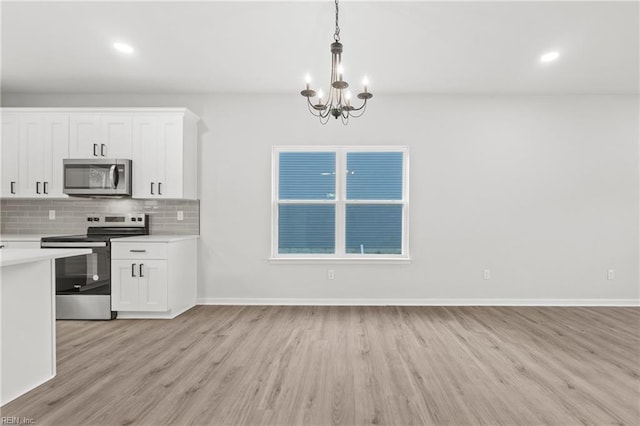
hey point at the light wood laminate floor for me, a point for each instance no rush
(284, 365)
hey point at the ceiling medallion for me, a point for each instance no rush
(338, 101)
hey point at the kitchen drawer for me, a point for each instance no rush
(138, 250)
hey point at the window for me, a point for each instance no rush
(335, 203)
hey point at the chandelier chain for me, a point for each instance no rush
(336, 35)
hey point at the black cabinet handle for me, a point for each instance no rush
(13, 187)
(46, 187)
(141, 265)
(152, 188)
(137, 251)
(37, 187)
(133, 269)
(95, 146)
(102, 149)
(159, 188)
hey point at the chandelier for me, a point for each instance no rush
(338, 101)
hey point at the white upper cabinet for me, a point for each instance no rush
(10, 156)
(33, 146)
(162, 142)
(95, 135)
(165, 156)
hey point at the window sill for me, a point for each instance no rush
(341, 260)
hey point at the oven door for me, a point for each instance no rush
(99, 177)
(85, 274)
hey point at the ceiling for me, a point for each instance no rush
(268, 47)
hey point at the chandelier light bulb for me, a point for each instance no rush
(340, 72)
(365, 83)
(347, 97)
(320, 96)
(307, 79)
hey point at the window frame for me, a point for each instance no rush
(340, 202)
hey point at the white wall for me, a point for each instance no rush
(544, 191)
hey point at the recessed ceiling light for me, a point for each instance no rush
(549, 57)
(123, 47)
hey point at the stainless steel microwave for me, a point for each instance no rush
(97, 177)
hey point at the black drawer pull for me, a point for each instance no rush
(137, 251)
(133, 269)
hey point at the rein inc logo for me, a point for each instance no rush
(5, 420)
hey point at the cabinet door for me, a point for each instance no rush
(84, 136)
(32, 144)
(115, 136)
(125, 287)
(153, 285)
(170, 158)
(10, 155)
(56, 148)
(145, 156)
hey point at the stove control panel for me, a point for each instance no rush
(118, 219)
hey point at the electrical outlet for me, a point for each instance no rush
(180, 215)
(52, 214)
(611, 274)
(486, 274)
(331, 274)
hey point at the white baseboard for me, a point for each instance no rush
(419, 302)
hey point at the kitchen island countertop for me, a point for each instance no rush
(10, 257)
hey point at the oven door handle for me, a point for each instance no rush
(113, 176)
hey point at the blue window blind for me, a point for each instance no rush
(307, 175)
(374, 175)
(374, 228)
(366, 216)
(306, 228)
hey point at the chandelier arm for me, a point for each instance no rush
(311, 110)
(362, 113)
(363, 108)
(364, 104)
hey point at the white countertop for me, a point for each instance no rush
(24, 237)
(10, 257)
(154, 238)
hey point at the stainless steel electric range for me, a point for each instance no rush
(83, 283)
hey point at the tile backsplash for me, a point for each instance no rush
(32, 216)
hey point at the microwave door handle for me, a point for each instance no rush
(113, 176)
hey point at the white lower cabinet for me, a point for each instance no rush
(153, 279)
(139, 285)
